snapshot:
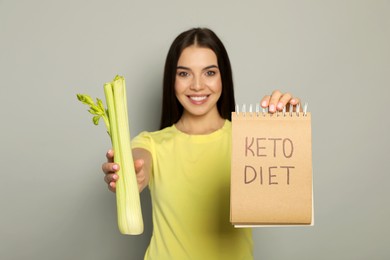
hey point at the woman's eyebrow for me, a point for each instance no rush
(211, 67)
(182, 68)
(206, 68)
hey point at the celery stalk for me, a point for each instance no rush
(127, 195)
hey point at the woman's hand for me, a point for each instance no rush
(110, 170)
(278, 100)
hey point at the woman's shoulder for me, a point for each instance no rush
(157, 135)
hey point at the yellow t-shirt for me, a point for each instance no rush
(190, 191)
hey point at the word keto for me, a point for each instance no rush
(273, 148)
(251, 147)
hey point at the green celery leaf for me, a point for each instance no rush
(96, 119)
(85, 99)
(100, 104)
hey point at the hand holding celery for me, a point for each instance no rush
(116, 119)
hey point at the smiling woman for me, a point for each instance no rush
(186, 164)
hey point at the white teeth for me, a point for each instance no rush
(198, 98)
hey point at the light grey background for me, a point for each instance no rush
(333, 54)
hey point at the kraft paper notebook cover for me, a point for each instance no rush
(271, 169)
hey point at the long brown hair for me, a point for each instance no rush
(172, 110)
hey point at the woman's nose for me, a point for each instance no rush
(196, 84)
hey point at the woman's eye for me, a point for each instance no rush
(210, 73)
(182, 73)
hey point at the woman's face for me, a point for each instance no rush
(198, 84)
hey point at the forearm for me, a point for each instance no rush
(143, 165)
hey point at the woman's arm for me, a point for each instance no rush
(142, 164)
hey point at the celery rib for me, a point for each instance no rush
(129, 211)
(127, 193)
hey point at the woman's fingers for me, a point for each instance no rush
(138, 164)
(110, 155)
(295, 101)
(110, 179)
(278, 100)
(112, 186)
(110, 171)
(265, 101)
(274, 100)
(110, 167)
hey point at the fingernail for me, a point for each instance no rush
(272, 108)
(280, 105)
(115, 167)
(293, 100)
(115, 177)
(264, 103)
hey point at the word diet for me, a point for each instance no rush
(273, 150)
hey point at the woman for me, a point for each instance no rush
(186, 164)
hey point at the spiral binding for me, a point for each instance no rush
(264, 111)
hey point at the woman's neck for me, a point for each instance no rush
(200, 125)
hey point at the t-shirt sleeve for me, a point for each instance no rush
(142, 140)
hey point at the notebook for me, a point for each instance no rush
(271, 168)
